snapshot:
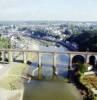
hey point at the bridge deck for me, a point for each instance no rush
(66, 52)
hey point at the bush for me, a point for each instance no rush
(4, 43)
(83, 68)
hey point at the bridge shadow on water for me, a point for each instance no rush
(47, 70)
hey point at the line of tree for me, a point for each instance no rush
(4, 42)
(87, 40)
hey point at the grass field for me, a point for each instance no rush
(12, 79)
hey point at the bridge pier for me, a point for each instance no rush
(25, 57)
(39, 67)
(3, 56)
(70, 60)
(54, 65)
(10, 56)
(87, 58)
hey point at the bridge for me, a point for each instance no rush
(9, 55)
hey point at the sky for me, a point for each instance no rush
(67, 10)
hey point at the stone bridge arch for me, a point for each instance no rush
(74, 56)
(89, 56)
(78, 58)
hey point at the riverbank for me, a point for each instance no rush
(69, 46)
(11, 83)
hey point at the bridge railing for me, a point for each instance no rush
(24, 52)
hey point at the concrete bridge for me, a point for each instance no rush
(9, 53)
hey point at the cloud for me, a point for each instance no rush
(4, 4)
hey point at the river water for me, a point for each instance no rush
(51, 89)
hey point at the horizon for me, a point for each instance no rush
(46, 21)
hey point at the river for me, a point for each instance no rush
(51, 89)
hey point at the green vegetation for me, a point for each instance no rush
(4, 42)
(87, 40)
(83, 68)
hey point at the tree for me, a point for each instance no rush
(87, 39)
